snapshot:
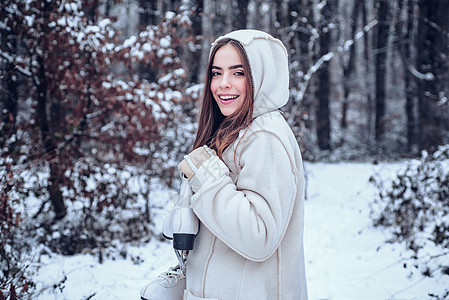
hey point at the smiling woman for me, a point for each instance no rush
(243, 181)
(229, 75)
(228, 84)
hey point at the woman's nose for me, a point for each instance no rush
(225, 82)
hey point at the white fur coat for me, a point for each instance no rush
(250, 243)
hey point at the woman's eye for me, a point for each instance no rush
(239, 73)
(215, 73)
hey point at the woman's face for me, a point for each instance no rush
(228, 82)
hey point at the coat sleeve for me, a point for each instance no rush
(251, 215)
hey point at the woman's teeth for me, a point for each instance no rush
(228, 97)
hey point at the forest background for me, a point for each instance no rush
(98, 97)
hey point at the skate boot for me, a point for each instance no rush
(182, 224)
(169, 285)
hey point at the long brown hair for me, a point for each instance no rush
(214, 129)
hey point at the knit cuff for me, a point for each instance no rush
(210, 171)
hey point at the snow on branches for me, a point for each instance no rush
(84, 114)
(414, 208)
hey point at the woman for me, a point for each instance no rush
(246, 178)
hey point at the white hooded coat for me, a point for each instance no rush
(250, 243)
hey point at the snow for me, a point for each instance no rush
(321, 5)
(147, 47)
(29, 20)
(130, 41)
(195, 89)
(345, 255)
(105, 22)
(421, 76)
(170, 15)
(165, 78)
(106, 85)
(346, 258)
(165, 42)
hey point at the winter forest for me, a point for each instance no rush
(99, 101)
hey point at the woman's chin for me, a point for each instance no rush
(227, 111)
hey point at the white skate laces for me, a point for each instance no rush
(173, 275)
(169, 285)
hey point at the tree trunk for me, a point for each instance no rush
(107, 8)
(405, 48)
(91, 9)
(323, 112)
(367, 81)
(9, 107)
(241, 14)
(147, 13)
(193, 57)
(147, 16)
(206, 25)
(381, 58)
(48, 142)
(431, 49)
(301, 15)
(281, 13)
(349, 69)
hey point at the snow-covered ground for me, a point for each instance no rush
(346, 257)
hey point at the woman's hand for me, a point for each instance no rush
(201, 166)
(197, 158)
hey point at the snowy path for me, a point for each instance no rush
(342, 257)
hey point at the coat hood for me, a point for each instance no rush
(268, 61)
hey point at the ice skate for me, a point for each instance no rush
(169, 285)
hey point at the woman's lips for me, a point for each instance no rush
(227, 99)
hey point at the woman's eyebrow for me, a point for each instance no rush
(230, 68)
